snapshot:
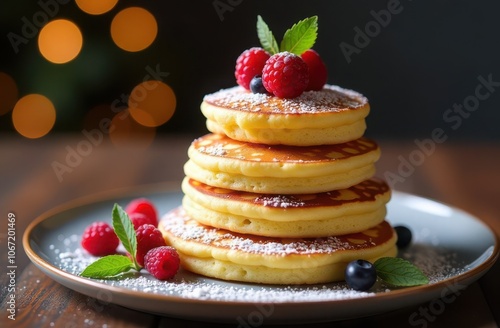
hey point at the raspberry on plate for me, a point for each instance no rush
(318, 73)
(144, 206)
(99, 239)
(162, 262)
(249, 64)
(148, 237)
(139, 219)
(285, 75)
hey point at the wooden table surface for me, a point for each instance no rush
(463, 174)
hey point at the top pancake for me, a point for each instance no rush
(329, 116)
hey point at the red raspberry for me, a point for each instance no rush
(99, 239)
(148, 237)
(162, 262)
(318, 73)
(144, 206)
(139, 219)
(249, 64)
(285, 75)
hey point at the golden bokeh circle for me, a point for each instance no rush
(60, 41)
(152, 103)
(33, 116)
(96, 7)
(134, 29)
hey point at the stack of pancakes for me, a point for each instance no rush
(282, 190)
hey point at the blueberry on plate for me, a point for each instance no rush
(360, 275)
(404, 236)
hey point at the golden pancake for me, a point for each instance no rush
(329, 116)
(304, 215)
(272, 185)
(218, 153)
(302, 137)
(228, 255)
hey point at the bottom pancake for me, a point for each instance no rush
(228, 255)
(226, 270)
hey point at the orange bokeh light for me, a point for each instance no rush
(60, 41)
(152, 103)
(134, 29)
(33, 116)
(8, 93)
(96, 7)
(126, 133)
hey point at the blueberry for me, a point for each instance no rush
(360, 275)
(256, 85)
(404, 236)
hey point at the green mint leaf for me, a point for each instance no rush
(108, 266)
(124, 229)
(301, 36)
(399, 272)
(266, 37)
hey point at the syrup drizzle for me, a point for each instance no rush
(365, 191)
(223, 146)
(180, 225)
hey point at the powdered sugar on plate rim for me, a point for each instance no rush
(437, 263)
(451, 246)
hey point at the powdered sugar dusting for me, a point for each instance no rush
(438, 264)
(331, 99)
(178, 224)
(282, 201)
(213, 150)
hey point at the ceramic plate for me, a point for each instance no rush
(452, 247)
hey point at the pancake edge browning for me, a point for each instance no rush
(211, 155)
(217, 246)
(290, 207)
(272, 185)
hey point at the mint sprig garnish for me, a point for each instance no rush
(399, 272)
(113, 265)
(124, 229)
(266, 37)
(297, 39)
(301, 36)
(108, 266)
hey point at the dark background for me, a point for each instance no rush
(425, 60)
